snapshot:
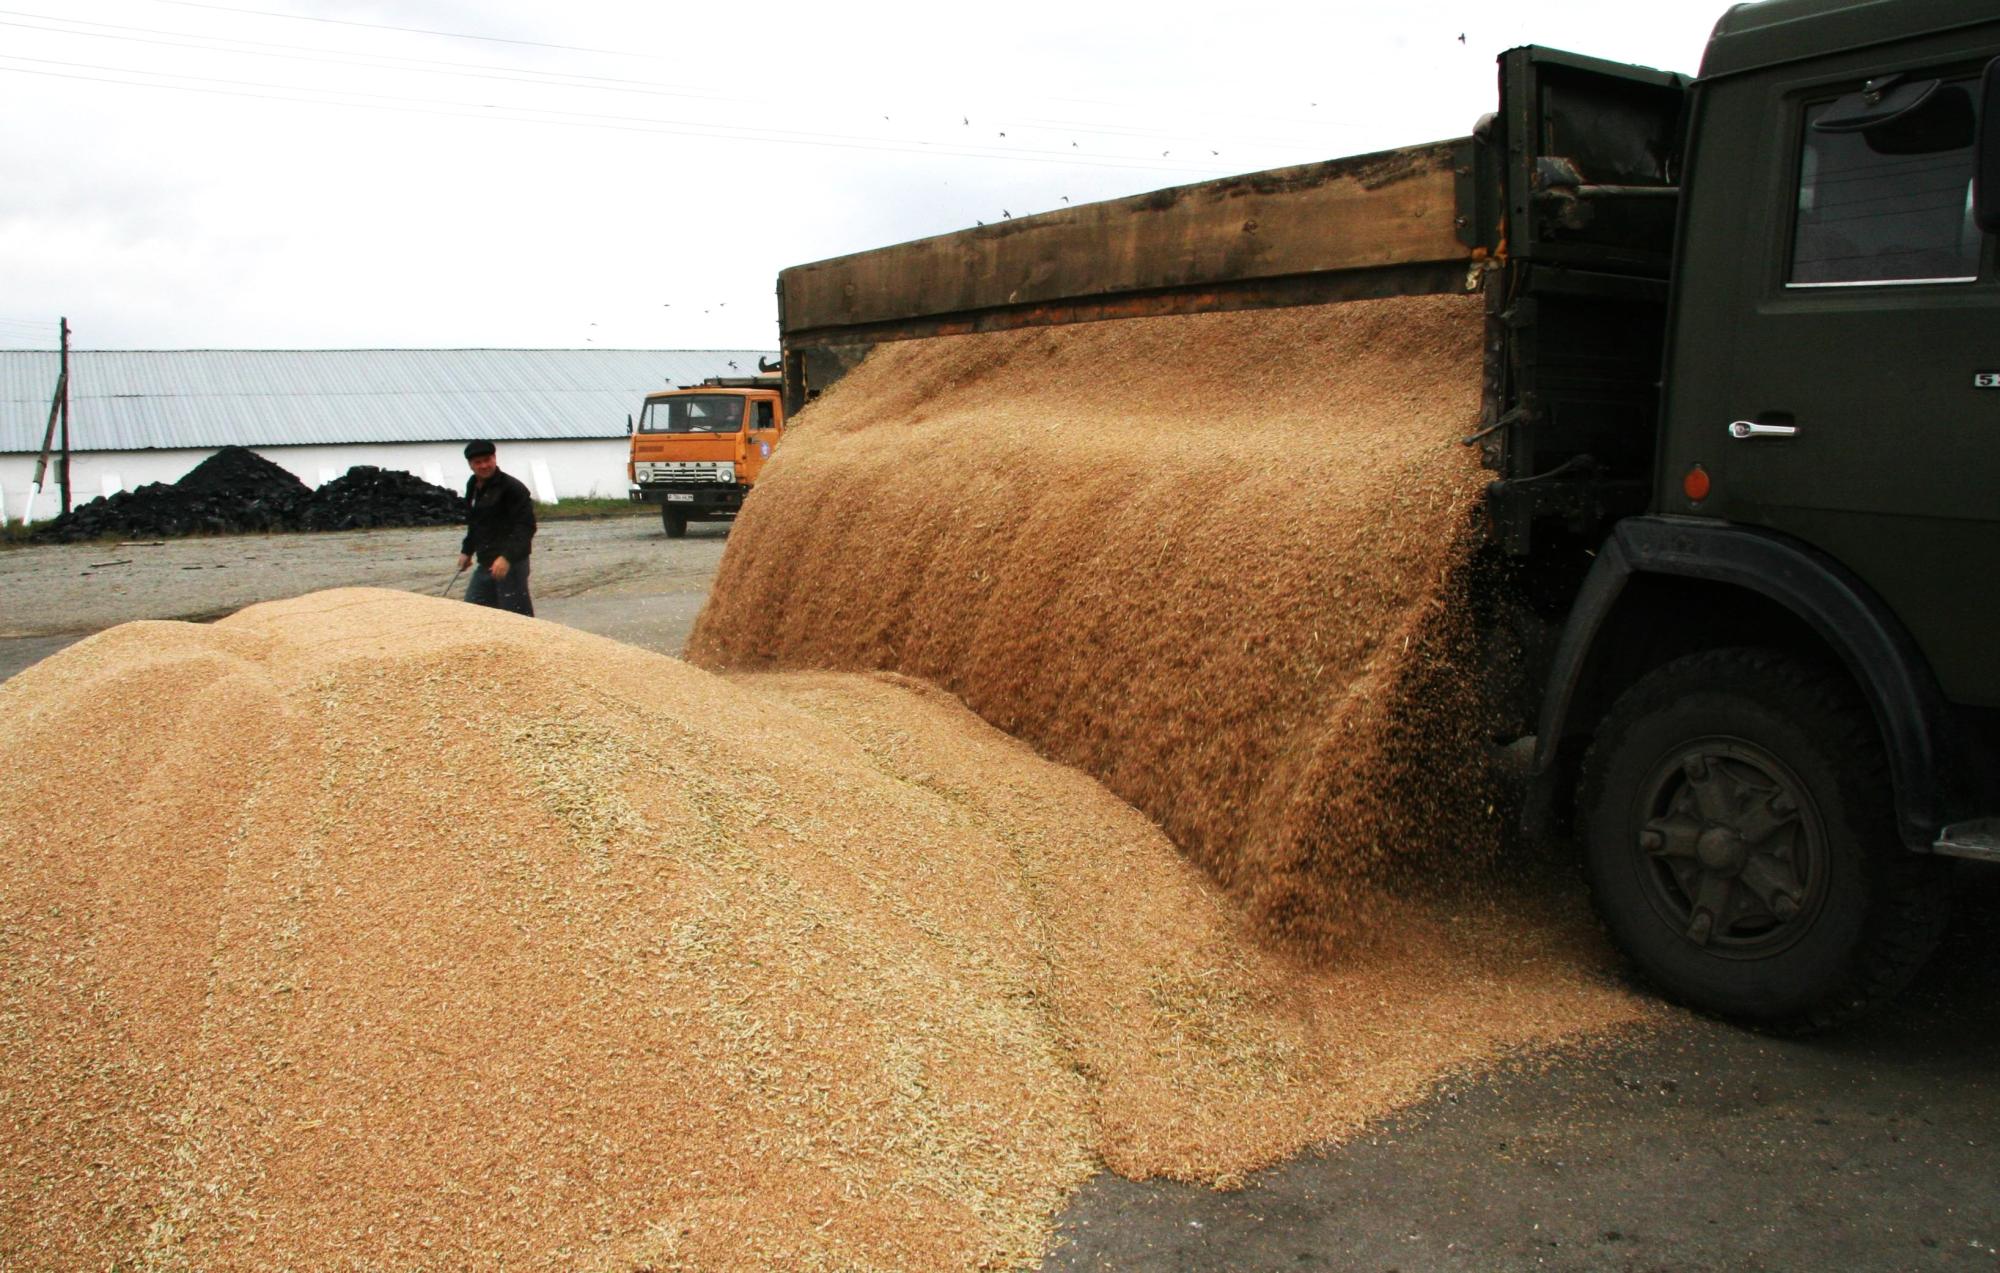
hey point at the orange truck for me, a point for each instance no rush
(697, 450)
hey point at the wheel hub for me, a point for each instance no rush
(1722, 850)
(1735, 855)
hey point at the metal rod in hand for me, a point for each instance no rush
(449, 582)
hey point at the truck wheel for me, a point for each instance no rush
(1740, 842)
(675, 521)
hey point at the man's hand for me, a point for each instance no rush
(464, 560)
(499, 568)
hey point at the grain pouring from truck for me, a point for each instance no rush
(696, 450)
(1742, 406)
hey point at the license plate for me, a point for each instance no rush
(680, 497)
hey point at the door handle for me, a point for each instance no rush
(1742, 429)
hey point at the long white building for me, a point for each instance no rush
(139, 416)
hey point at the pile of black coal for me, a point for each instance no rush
(156, 511)
(368, 496)
(241, 475)
(237, 490)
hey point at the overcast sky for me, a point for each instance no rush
(535, 174)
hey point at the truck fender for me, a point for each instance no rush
(1856, 626)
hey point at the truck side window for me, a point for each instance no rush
(764, 417)
(1888, 202)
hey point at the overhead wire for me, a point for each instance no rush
(465, 35)
(491, 39)
(384, 26)
(315, 54)
(560, 118)
(383, 61)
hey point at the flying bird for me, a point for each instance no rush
(966, 120)
(1461, 37)
(1006, 214)
(1065, 198)
(732, 361)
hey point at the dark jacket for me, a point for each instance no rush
(499, 519)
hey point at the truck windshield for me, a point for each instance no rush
(693, 413)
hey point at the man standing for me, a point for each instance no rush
(499, 531)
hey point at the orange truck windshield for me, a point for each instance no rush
(693, 413)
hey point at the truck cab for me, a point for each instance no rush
(1773, 708)
(697, 450)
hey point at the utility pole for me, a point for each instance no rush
(62, 395)
(58, 407)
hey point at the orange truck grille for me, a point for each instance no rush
(684, 471)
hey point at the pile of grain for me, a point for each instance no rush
(372, 930)
(1215, 561)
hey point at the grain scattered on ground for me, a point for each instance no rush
(372, 930)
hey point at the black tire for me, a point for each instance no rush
(675, 521)
(1740, 840)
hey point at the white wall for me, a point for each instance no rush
(586, 468)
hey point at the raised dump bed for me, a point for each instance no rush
(1376, 225)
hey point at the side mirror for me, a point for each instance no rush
(1986, 175)
(1880, 102)
(1895, 116)
(629, 426)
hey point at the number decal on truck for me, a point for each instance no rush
(1986, 380)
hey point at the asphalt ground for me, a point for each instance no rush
(618, 576)
(1694, 1146)
(1690, 1146)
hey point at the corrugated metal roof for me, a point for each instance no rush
(130, 400)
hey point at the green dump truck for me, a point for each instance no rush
(1742, 407)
